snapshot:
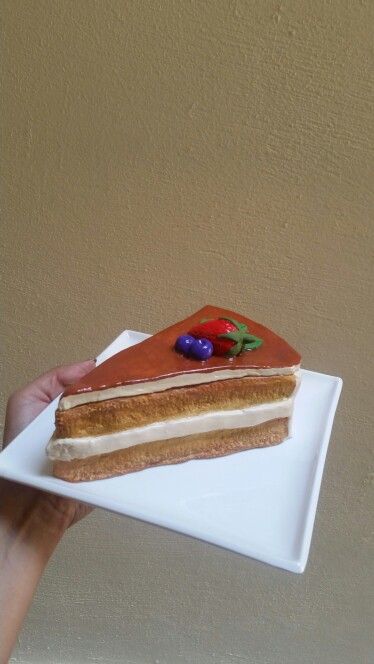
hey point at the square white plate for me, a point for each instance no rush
(260, 503)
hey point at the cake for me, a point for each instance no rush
(210, 385)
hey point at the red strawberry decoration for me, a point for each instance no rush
(228, 336)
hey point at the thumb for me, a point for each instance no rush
(56, 380)
(26, 403)
(71, 373)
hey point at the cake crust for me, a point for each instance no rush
(177, 450)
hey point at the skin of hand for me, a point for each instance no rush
(32, 522)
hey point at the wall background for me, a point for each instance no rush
(158, 156)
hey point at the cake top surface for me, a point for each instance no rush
(155, 358)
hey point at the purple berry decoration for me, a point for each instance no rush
(183, 344)
(201, 349)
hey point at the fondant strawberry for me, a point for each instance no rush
(228, 336)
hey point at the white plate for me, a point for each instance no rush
(260, 503)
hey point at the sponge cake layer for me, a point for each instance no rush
(200, 446)
(123, 413)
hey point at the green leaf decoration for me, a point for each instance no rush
(235, 350)
(243, 341)
(251, 345)
(233, 336)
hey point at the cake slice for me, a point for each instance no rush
(212, 384)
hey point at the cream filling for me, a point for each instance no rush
(67, 449)
(182, 380)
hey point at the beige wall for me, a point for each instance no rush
(158, 156)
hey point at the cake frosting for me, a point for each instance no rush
(181, 380)
(154, 359)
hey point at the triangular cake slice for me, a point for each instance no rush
(212, 384)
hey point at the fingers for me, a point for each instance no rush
(69, 374)
(48, 386)
(26, 403)
(56, 380)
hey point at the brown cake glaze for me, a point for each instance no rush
(155, 358)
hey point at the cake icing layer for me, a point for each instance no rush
(79, 448)
(183, 380)
(154, 360)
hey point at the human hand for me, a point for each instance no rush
(31, 521)
(23, 406)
